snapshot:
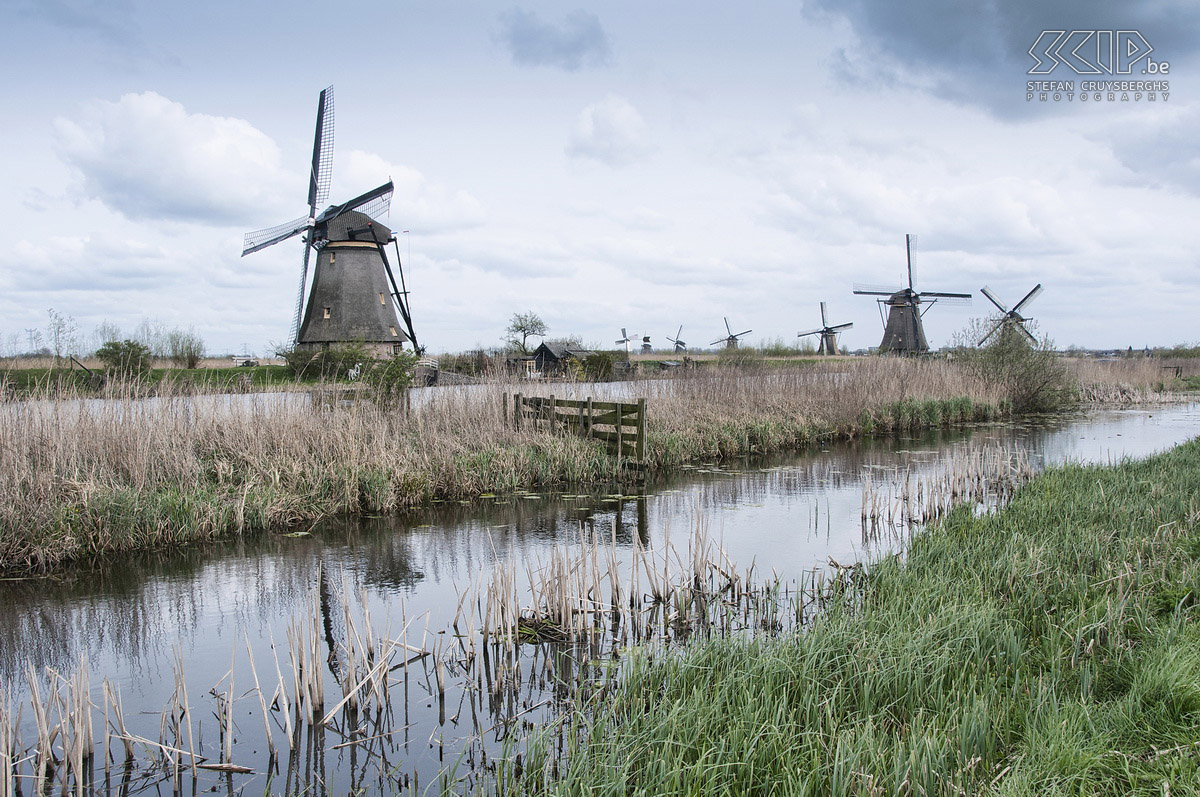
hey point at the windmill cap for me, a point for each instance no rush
(355, 226)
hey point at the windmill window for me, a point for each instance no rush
(381, 299)
(332, 258)
(393, 329)
(328, 312)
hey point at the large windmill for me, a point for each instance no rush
(678, 341)
(731, 339)
(902, 331)
(354, 294)
(1012, 320)
(829, 344)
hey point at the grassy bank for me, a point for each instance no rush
(1051, 648)
(82, 477)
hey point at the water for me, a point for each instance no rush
(128, 618)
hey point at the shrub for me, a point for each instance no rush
(1029, 375)
(185, 348)
(598, 367)
(125, 357)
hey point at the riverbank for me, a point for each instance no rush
(85, 478)
(1048, 648)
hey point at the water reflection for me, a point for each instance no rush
(788, 514)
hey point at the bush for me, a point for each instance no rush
(125, 357)
(1030, 376)
(389, 379)
(185, 348)
(598, 367)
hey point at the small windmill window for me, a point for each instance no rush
(381, 299)
(332, 258)
(393, 329)
(327, 313)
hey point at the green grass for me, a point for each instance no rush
(77, 381)
(1051, 648)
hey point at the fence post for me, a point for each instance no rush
(550, 418)
(517, 407)
(641, 430)
(589, 416)
(620, 430)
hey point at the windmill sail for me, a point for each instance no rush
(349, 296)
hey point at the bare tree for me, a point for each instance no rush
(523, 327)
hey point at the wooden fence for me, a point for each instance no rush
(620, 424)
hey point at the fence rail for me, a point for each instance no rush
(621, 425)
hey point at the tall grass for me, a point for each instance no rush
(1049, 648)
(81, 476)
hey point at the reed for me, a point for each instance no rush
(1048, 648)
(83, 477)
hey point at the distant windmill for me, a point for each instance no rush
(679, 344)
(1012, 319)
(903, 332)
(625, 340)
(354, 295)
(731, 339)
(646, 347)
(829, 344)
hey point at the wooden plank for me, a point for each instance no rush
(518, 410)
(641, 430)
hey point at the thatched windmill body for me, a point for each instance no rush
(354, 296)
(829, 342)
(1012, 320)
(903, 332)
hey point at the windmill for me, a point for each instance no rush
(354, 295)
(829, 344)
(679, 344)
(730, 340)
(903, 332)
(625, 340)
(1012, 319)
(646, 347)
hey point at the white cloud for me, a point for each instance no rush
(148, 158)
(610, 131)
(418, 203)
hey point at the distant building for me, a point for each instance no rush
(555, 359)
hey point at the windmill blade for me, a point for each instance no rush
(824, 320)
(809, 332)
(321, 171)
(738, 335)
(840, 327)
(727, 329)
(993, 331)
(881, 290)
(300, 296)
(718, 340)
(1029, 297)
(909, 240)
(373, 203)
(261, 239)
(680, 332)
(984, 290)
(941, 295)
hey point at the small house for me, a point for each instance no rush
(557, 359)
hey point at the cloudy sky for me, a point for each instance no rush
(638, 165)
